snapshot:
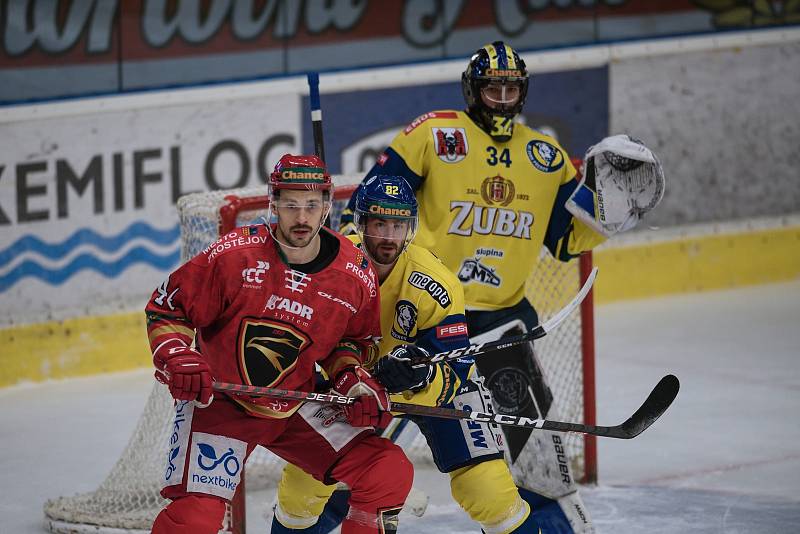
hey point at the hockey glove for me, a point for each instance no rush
(621, 181)
(406, 367)
(372, 405)
(184, 371)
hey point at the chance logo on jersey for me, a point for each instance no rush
(544, 156)
(268, 350)
(450, 143)
(405, 321)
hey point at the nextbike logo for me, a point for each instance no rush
(178, 441)
(208, 460)
(216, 464)
(254, 275)
(276, 302)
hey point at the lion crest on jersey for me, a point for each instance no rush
(405, 321)
(450, 144)
(544, 156)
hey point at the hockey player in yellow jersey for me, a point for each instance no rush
(422, 312)
(491, 193)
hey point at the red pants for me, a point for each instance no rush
(209, 446)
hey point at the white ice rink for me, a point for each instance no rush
(725, 458)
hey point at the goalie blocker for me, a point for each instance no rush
(621, 181)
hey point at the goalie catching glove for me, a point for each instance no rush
(372, 405)
(405, 368)
(622, 180)
(184, 371)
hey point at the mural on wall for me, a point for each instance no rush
(751, 13)
(81, 47)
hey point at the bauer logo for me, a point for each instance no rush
(216, 465)
(545, 156)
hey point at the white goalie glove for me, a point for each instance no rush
(622, 180)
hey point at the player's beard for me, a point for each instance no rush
(295, 239)
(383, 251)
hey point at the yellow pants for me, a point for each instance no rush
(485, 491)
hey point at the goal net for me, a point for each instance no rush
(128, 499)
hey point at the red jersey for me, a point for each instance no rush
(258, 321)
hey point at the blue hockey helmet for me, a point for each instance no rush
(497, 68)
(385, 216)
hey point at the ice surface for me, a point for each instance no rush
(725, 458)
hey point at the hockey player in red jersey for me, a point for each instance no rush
(263, 305)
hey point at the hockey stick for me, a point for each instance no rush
(316, 114)
(537, 332)
(656, 404)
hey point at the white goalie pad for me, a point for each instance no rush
(621, 181)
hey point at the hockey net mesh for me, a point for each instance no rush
(128, 499)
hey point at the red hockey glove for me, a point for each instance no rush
(372, 405)
(184, 371)
(406, 367)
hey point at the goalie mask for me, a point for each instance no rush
(495, 85)
(299, 215)
(386, 217)
(621, 181)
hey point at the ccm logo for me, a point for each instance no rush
(451, 330)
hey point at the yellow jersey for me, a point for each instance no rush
(486, 208)
(422, 303)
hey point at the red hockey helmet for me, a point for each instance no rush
(300, 172)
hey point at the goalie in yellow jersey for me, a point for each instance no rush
(491, 193)
(422, 312)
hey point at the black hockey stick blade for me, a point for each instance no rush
(653, 407)
(648, 413)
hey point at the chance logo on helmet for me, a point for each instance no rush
(386, 217)
(300, 172)
(497, 69)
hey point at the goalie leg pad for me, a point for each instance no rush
(487, 493)
(518, 387)
(193, 514)
(301, 498)
(566, 515)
